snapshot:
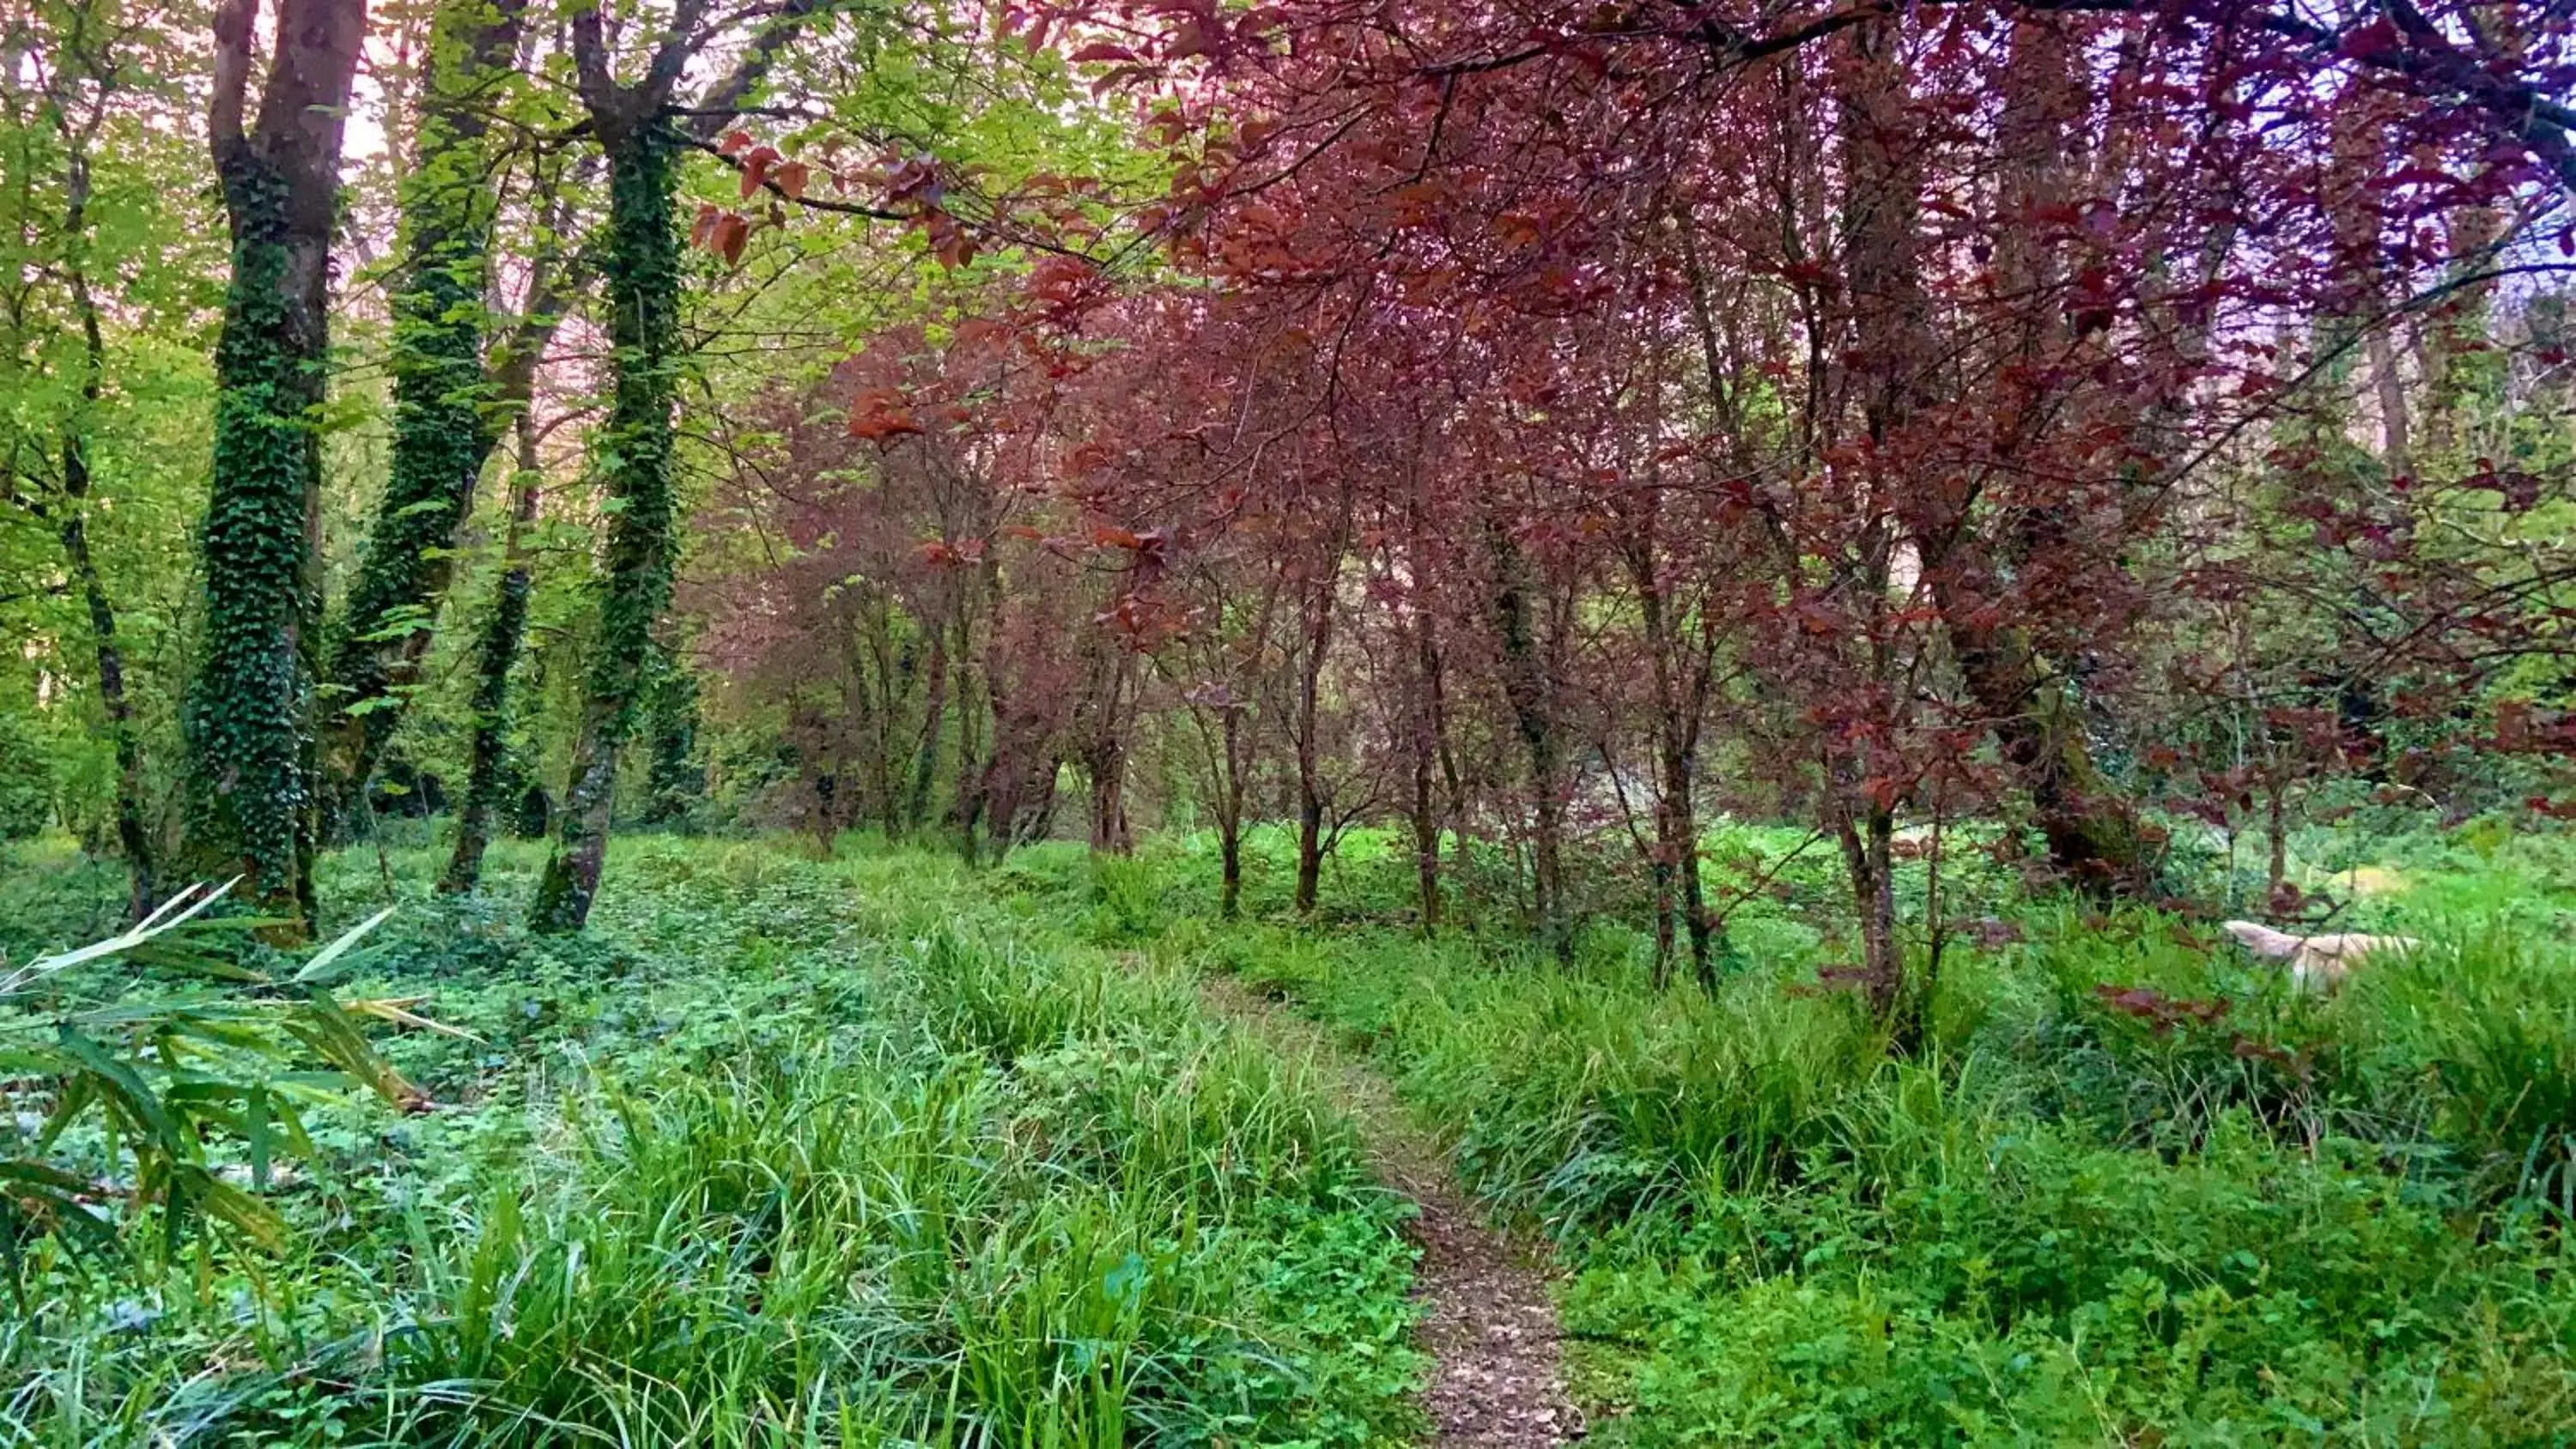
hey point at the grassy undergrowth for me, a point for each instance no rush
(2137, 1192)
(783, 1152)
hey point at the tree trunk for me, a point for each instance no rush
(1679, 909)
(443, 432)
(1426, 842)
(249, 709)
(1426, 759)
(1526, 686)
(1108, 767)
(132, 836)
(1104, 754)
(495, 655)
(1309, 727)
(1310, 851)
(1229, 850)
(2095, 839)
(2277, 831)
(925, 759)
(642, 267)
(1868, 845)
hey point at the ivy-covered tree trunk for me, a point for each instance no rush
(248, 714)
(495, 655)
(673, 780)
(443, 429)
(642, 270)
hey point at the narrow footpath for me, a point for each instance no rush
(1487, 1321)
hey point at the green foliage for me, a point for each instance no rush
(26, 782)
(2140, 1191)
(128, 1097)
(784, 1150)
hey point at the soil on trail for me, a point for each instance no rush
(1487, 1321)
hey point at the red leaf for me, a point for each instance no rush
(880, 415)
(755, 169)
(734, 143)
(791, 179)
(1101, 51)
(732, 230)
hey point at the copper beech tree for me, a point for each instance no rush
(1545, 424)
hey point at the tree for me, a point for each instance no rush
(76, 82)
(249, 714)
(446, 418)
(642, 131)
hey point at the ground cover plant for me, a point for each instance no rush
(788, 1152)
(2133, 1191)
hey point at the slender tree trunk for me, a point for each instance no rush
(132, 836)
(643, 276)
(1310, 850)
(1229, 850)
(1309, 724)
(1675, 825)
(1231, 769)
(443, 431)
(925, 759)
(496, 653)
(2277, 831)
(1425, 759)
(1426, 839)
(249, 710)
(1527, 687)
(1104, 753)
(1108, 767)
(1868, 845)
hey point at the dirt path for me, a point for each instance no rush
(1487, 1321)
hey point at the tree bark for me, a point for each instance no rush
(1318, 644)
(249, 710)
(2095, 839)
(1229, 851)
(1104, 747)
(1426, 749)
(1867, 837)
(934, 711)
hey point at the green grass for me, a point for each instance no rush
(785, 1151)
(868, 1150)
(2137, 1192)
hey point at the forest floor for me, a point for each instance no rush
(1048, 1156)
(1489, 1319)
